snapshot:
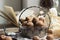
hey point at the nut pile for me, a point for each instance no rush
(49, 36)
(33, 22)
(38, 23)
(33, 26)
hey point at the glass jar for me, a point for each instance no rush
(34, 11)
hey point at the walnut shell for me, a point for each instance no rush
(3, 37)
(28, 19)
(24, 23)
(22, 20)
(49, 31)
(36, 38)
(39, 23)
(35, 19)
(30, 24)
(42, 19)
(8, 38)
(50, 37)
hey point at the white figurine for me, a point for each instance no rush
(54, 8)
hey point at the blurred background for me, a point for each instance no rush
(18, 5)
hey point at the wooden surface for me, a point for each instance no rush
(9, 30)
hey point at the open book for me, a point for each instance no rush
(10, 15)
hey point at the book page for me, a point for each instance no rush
(10, 12)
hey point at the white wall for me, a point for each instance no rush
(59, 6)
(27, 3)
(16, 4)
(2, 21)
(1, 4)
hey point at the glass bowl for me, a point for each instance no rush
(34, 11)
